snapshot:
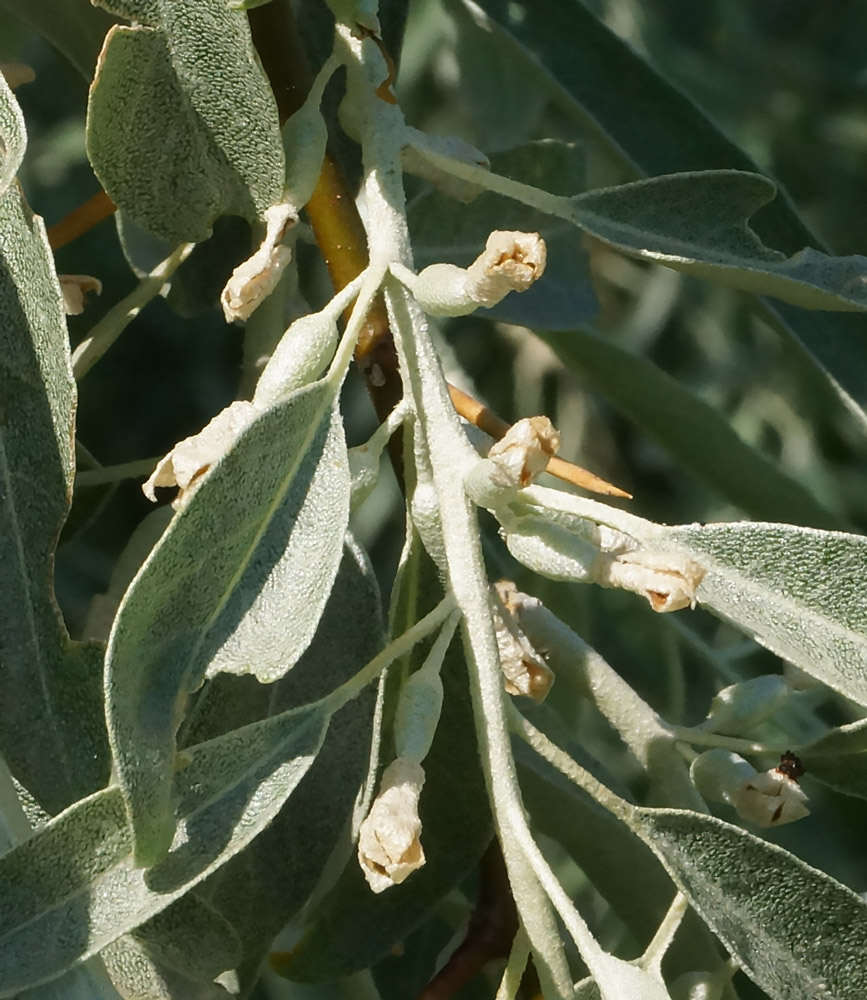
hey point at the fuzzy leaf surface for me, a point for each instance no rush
(73, 888)
(795, 931)
(697, 223)
(799, 591)
(238, 582)
(189, 76)
(264, 887)
(52, 731)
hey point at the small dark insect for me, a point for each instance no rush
(790, 766)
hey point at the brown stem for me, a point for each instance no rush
(490, 933)
(335, 221)
(488, 421)
(81, 220)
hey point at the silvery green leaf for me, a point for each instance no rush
(794, 930)
(209, 143)
(265, 886)
(73, 887)
(616, 96)
(51, 728)
(799, 591)
(698, 223)
(238, 582)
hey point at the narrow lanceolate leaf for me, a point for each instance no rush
(73, 887)
(656, 129)
(52, 731)
(75, 27)
(238, 583)
(798, 591)
(182, 125)
(697, 222)
(263, 888)
(699, 438)
(794, 930)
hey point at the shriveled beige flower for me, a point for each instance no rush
(191, 458)
(389, 841)
(524, 451)
(667, 579)
(75, 288)
(524, 671)
(254, 280)
(770, 798)
(512, 261)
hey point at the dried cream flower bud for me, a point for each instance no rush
(190, 459)
(513, 462)
(75, 288)
(389, 844)
(524, 451)
(667, 579)
(511, 262)
(254, 280)
(524, 670)
(770, 798)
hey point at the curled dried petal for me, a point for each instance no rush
(667, 579)
(191, 458)
(524, 451)
(389, 841)
(254, 280)
(511, 262)
(75, 288)
(770, 799)
(525, 672)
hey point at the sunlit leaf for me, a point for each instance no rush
(697, 223)
(264, 887)
(654, 129)
(74, 887)
(798, 591)
(796, 931)
(238, 582)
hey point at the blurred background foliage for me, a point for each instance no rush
(786, 80)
